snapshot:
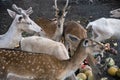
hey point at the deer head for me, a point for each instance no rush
(60, 16)
(61, 13)
(73, 33)
(25, 21)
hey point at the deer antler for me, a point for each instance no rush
(62, 12)
(66, 5)
(29, 11)
(55, 6)
(21, 11)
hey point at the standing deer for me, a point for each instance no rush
(73, 33)
(21, 23)
(42, 66)
(104, 28)
(48, 25)
(54, 28)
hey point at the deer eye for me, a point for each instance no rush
(20, 18)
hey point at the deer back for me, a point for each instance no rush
(75, 28)
(29, 65)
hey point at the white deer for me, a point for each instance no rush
(44, 45)
(105, 28)
(21, 23)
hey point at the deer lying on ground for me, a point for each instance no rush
(115, 13)
(54, 28)
(104, 28)
(21, 23)
(44, 45)
(42, 66)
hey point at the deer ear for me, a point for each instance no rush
(85, 42)
(73, 38)
(11, 13)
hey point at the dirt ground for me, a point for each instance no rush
(81, 11)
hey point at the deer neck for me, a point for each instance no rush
(77, 58)
(59, 29)
(74, 62)
(11, 38)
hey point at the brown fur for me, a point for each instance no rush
(74, 28)
(49, 26)
(41, 66)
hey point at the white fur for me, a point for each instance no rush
(12, 37)
(105, 28)
(44, 45)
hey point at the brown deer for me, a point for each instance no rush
(48, 25)
(42, 66)
(73, 33)
(54, 28)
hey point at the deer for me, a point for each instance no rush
(42, 66)
(54, 27)
(73, 33)
(104, 28)
(21, 23)
(44, 45)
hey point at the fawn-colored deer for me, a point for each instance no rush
(42, 66)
